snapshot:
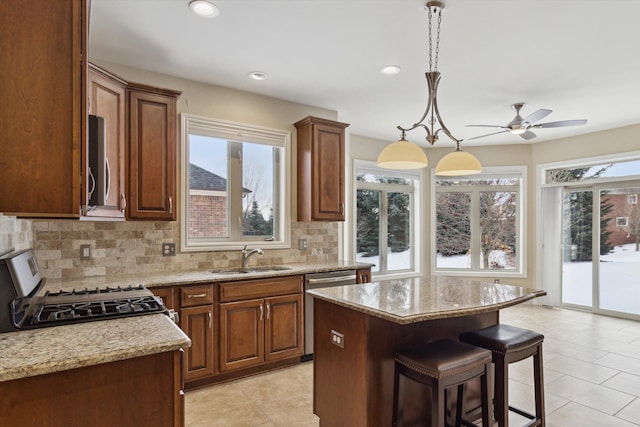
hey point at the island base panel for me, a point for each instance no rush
(353, 384)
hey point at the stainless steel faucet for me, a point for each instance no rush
(246, 254)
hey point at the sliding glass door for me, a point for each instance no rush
(577, 248)
(619, 267)
(601, 249)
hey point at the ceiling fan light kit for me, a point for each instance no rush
(402, 154)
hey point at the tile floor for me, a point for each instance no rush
(591, 369)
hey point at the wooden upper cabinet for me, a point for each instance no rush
(106, 98)
(321, 171)
(152, 153)
(43, 113)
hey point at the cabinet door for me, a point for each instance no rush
(107, 99)
(43, 112)
(328, 173)
(166, 294)
(320, 169)
(197, 323)
(152, 154)
(283, 327)
(241, 334)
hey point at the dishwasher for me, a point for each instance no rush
(314, 281)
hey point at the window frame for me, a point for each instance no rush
(620, 219)
(519, 172)
(360, 166)
(239, 132)
(632, 199)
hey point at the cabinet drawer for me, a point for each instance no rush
(260, 288)
(196, 295)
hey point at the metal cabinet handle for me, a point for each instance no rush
(261, 311)
(123, 202)
(170, 205)
(196, 295)
(210, 319)
(182, 371)
(268, 311)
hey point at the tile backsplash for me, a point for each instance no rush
(136, 247)
(14, 233)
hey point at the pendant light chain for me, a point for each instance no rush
(439, 12)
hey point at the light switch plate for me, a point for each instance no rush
(85, 252)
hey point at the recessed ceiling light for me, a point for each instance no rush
(257, 75)
(390, 70)
(204, 8)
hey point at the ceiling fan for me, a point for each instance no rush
(521, 127)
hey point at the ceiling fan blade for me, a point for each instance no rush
(489, 134)
(560, 124)
(483, 126)
(537, 115)
(527, 135)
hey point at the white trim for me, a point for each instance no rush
(236, 132)
(209, 193)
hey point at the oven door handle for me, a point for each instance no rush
(332, 279)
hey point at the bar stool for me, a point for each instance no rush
(440, 365)
(509, 344)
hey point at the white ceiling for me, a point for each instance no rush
(580, 59)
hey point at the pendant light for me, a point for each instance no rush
(403, 154)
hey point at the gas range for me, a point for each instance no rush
(86, 305)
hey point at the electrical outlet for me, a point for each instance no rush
(303, 244)
(85, 252)
(337, 339)
(168, 249)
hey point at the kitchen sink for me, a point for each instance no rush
(265, 269)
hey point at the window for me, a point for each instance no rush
(386, 211)
(478, 223)
(622, 221)
(632, 199)
(234, 185)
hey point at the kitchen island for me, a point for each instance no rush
(358, 329)
(123, 371)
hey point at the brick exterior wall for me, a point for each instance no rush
(622, 235)
(207, 216)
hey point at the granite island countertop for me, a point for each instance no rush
(415, 299)
(151, 280)
(41, 351)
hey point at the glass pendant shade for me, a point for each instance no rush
(458, 163)
(402, 154)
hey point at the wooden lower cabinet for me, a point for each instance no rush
(197, 323)
(131, 392)
(260, 330)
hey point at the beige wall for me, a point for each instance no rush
(137, 244)
(605, 143)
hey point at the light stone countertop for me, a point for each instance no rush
(151, 280)
(416, 299)
(45, 350)
(41, 351)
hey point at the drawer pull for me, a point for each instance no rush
(210, 320)
(261, 311)
(196, 295)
